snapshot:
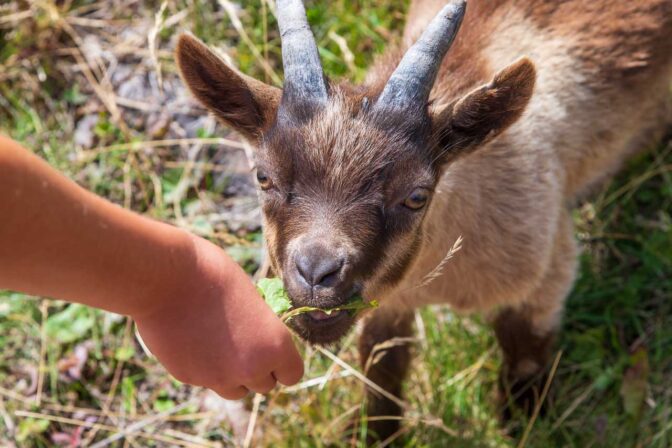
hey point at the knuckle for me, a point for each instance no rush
(263, 389)
(287, 376)
(238, 395)
(298, 373)
(248, 375)
(232, 394)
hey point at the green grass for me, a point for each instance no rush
(612, 384)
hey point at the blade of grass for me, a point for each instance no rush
(544, 393)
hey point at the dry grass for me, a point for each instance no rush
(91, 86)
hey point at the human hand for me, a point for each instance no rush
(216, 331)
(195, 307)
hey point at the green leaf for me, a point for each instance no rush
(273, 292)
(163, 404)
(354, 306)
(74, 96)
(71, 324)
(124, 353)
(31, 427)
(128, 393)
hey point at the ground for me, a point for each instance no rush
(92, 88)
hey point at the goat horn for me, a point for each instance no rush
(412, 81)
(300, 58)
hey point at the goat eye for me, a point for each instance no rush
(418, 199)
(264, 181)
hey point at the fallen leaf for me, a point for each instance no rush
(635, 383)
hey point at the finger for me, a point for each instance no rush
(291, 369)
(236, 393)
(263, 385)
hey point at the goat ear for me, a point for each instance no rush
(241, 102)
(486, 112)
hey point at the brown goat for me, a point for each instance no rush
(365, 189)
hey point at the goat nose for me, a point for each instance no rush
(318, 269)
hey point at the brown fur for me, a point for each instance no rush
(385, 356)
(504, 148)
(239, 101)
(526, 354)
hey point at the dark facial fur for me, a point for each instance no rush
(337, 182)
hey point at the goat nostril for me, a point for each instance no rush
(318, 270)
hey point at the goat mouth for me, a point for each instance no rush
(319, 327)
(327, 324)
(326, 317)
(317, 319)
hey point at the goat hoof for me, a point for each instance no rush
(376, 430)
(382, 422)
(521, 395)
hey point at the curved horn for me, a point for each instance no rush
(412, 81)
(300, 58)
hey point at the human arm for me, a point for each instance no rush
(196, 309)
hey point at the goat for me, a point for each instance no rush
(364, 189)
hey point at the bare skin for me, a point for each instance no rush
(195, 307)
